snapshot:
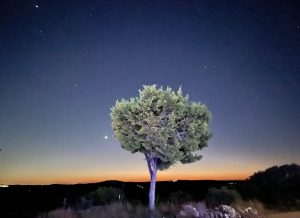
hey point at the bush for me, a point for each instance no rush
(179, 197)
(223, 196)
(278, 187)
(106, 195)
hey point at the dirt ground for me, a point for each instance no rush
(286, 215)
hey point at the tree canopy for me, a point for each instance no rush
(162, 124)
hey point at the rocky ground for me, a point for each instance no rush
(222, 211)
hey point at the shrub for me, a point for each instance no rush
(223, 196)
(278, 187)
(179, 197)
(106, 195)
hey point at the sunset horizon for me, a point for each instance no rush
(87, 181)
(129, 177)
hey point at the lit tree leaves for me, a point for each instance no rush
(163, 124)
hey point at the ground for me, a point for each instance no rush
(286, 215)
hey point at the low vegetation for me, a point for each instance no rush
(105, 195)
(223, 196)
(167, 210)
(173, 199)
(246, 199)
(278, 187)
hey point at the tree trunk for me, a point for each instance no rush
(152, 169)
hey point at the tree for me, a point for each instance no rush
(163, 125)
(277, 186)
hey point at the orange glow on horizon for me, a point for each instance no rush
(126, 178)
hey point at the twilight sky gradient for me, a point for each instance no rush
(63, 64)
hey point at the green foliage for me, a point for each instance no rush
(163, 124)
(223, 196)
(106, 195)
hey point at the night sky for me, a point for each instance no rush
(64, 63)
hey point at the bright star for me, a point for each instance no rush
(106, 137)
(36, 6)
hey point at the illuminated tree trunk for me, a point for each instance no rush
(152, 165)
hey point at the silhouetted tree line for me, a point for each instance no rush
(277, 187)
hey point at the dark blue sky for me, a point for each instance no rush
(63, 64)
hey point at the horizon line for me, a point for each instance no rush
(112, 180)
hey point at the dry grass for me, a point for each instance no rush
(257, 205)
(126, 210)
(113, 210)
(60, 213)
(240, 204)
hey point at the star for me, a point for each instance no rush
(105, 137)
(36, 6)
(91, 12)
